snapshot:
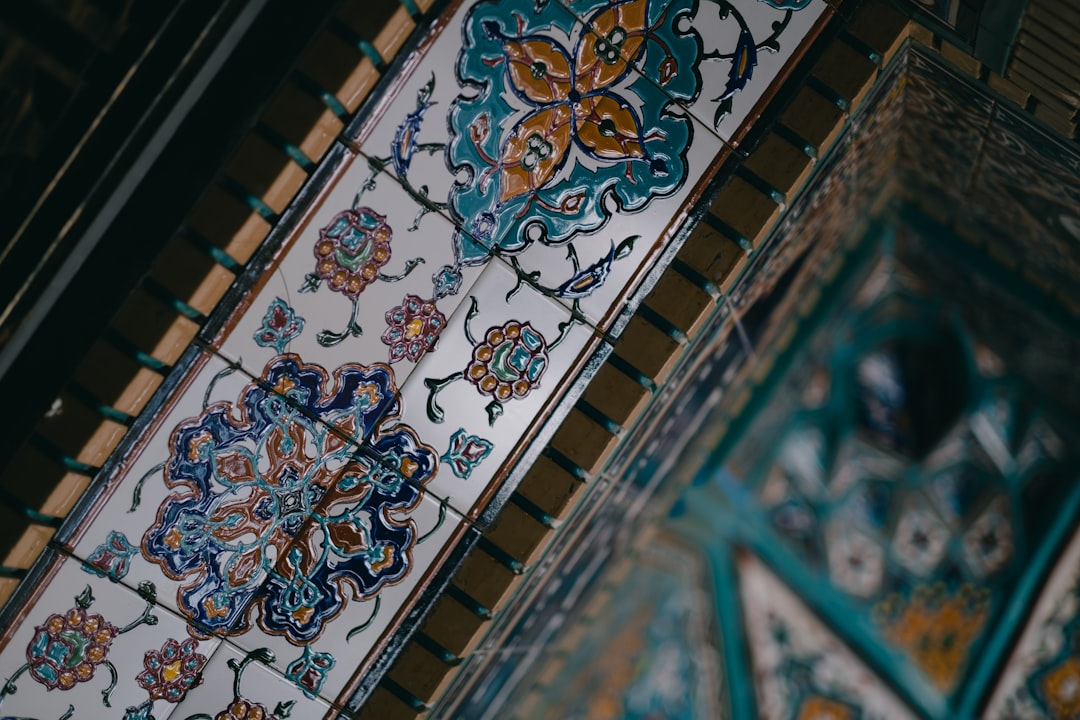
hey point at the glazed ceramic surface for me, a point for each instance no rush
(423, 308)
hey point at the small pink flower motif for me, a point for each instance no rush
(280, 326)
(68, 648)
(172, 671)
(351, 250)
(465, 453)
(412, 328)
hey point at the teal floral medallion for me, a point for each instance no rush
(556, 128)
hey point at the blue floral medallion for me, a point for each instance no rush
(273, 509)
(562, 124)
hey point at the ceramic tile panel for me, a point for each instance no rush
(594, 272)
(351, 575)
(1043, 670)
(504, 361)
(362, 278)
(220, 487)
(88, 647)
(239, 685)
(529, 171)
(719, 58)
(630, 168)
(121, 534)
(800, 668)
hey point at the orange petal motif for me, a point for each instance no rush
(535, 151)
(538, 70)
(629, 16)
(600, 64)
(608, 129)
(603, 55)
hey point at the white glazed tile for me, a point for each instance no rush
(305, 304)
(225, 486)
(409, 131)
(112, 535)
(138, 639)
(232, 670)
(334, 651)
(691, 49)
(474, 434)
(612, 261)
(723, 36)
(567, 150)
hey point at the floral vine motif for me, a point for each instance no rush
(68, 648)
(349, 255)
(280, 326)
(274, 511)
(744, 57)
(506, 365)
(582, 283)
(172, 671)
(240, 707)
(403, 147)
(578, 127)
(413, 328)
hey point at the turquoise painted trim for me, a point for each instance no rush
(697, 278)
(436, 649)
(61, 457)
(759, 184)
(723, 228)
(828, 93)
(566, 463)
(162, 293)
(327, 98)
(631, 372)
(19, 507)
(533, 510)
(786, 133)
(734, 648)
(504, 558)
(863, 49)
(349, 35)
(411, 7)
(470, 603)
(295, 153)
(1010, 621)
(103, 409)
(665, 326)
(402, 694)
(241, 193)
(590, 411)
(215, 253)
(129, 348)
